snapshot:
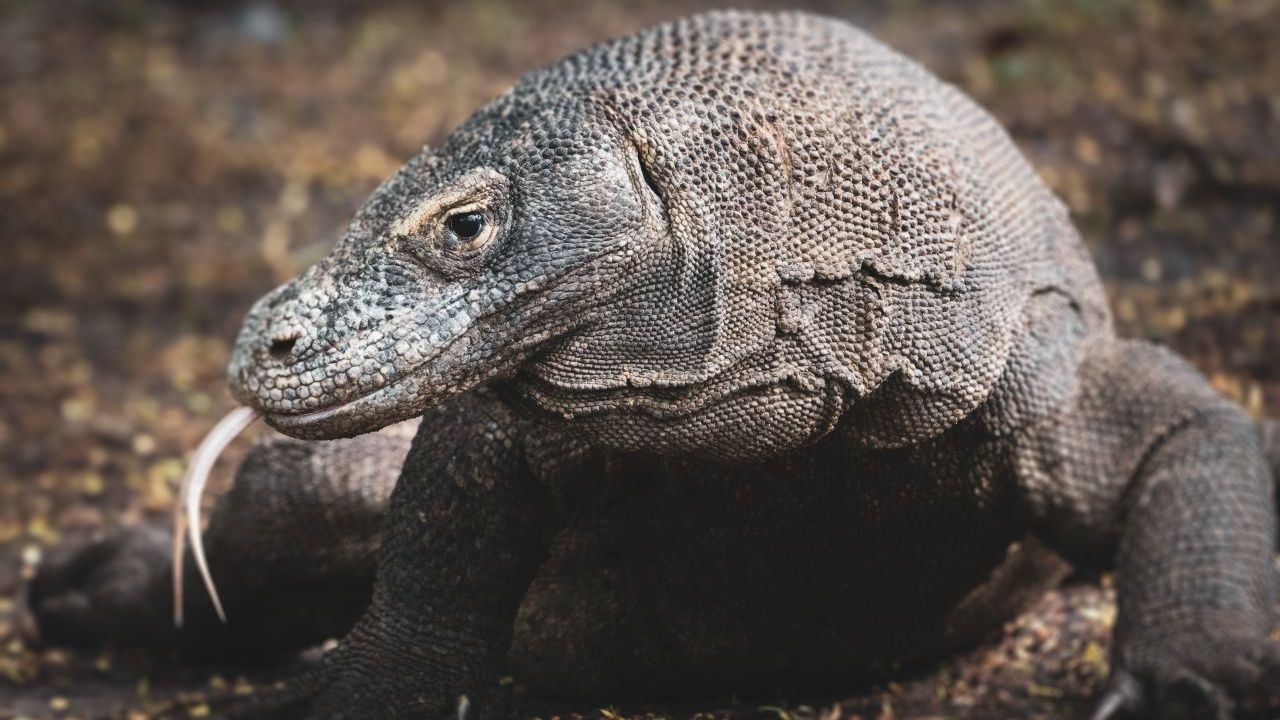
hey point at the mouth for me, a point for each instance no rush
(398, 400)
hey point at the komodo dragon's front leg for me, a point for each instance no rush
(1150, 466)
(467, 529)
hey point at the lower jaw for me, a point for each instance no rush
(387, 405)
(306, 424)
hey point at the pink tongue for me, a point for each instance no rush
(186, 514)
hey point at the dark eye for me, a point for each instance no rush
(466, 226)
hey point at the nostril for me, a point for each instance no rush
(282, 347)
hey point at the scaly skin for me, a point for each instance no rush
(748, 354)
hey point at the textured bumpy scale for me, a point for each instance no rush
(747, 355)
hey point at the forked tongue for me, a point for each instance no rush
(186, 514)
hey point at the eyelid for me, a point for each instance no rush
(472, 247)
(462, 193)
(424, 231)
(466, 209)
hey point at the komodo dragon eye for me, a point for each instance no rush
(467, 227)
(467, 231)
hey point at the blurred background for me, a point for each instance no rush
(162, 164)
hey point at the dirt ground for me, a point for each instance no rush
(164, 163)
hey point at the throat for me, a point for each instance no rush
(733, 418)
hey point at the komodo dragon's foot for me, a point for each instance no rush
(1210, 678)
(310, 697)
(109, 591)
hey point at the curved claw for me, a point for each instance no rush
(186, 514)
(1124, 695)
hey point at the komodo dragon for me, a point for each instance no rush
(746, 352)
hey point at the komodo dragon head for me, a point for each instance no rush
(688, 240)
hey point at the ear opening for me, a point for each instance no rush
(642, 175)
(648, 176)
